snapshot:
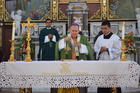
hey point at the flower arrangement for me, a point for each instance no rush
(22, 45)
(130, 43)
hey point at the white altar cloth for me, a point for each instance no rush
(65, 74)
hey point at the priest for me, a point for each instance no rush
(73, 47)
(47, 40)
(107, 47)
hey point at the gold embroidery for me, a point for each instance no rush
(65, 68)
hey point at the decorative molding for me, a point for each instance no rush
(48, 15)
(112, 15)
(97, 15)
(77, 6)
(104, 9)
(4, 15)
(54, 9)
(62, 15)
(88, 1)
(2, 9)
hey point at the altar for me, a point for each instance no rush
(67, 74)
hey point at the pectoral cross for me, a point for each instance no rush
(28, 49)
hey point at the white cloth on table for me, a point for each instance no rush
(66, 74)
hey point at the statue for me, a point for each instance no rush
(138, 18)
(17, 19)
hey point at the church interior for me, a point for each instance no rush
(88, 14)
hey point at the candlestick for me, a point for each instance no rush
(13, 30)
(12, 58)
(104, 2)
(123, 56)
(123, 30)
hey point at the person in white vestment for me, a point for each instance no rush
(107, 47)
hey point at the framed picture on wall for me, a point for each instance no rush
(123, 9)
(35, 9)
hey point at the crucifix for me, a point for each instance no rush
(28, 49)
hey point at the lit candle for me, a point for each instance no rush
(13, 31)
(104, 2)
(123, 30)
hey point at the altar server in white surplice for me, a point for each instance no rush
(107, 47)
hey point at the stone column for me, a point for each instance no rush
(138, 18)
(138, 28)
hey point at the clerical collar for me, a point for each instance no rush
(48, 27)
(69, 35)
(108, 36)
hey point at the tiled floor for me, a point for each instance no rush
(91, 90)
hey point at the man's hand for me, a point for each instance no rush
(103, 49)
(67, 39)
(50, 36)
